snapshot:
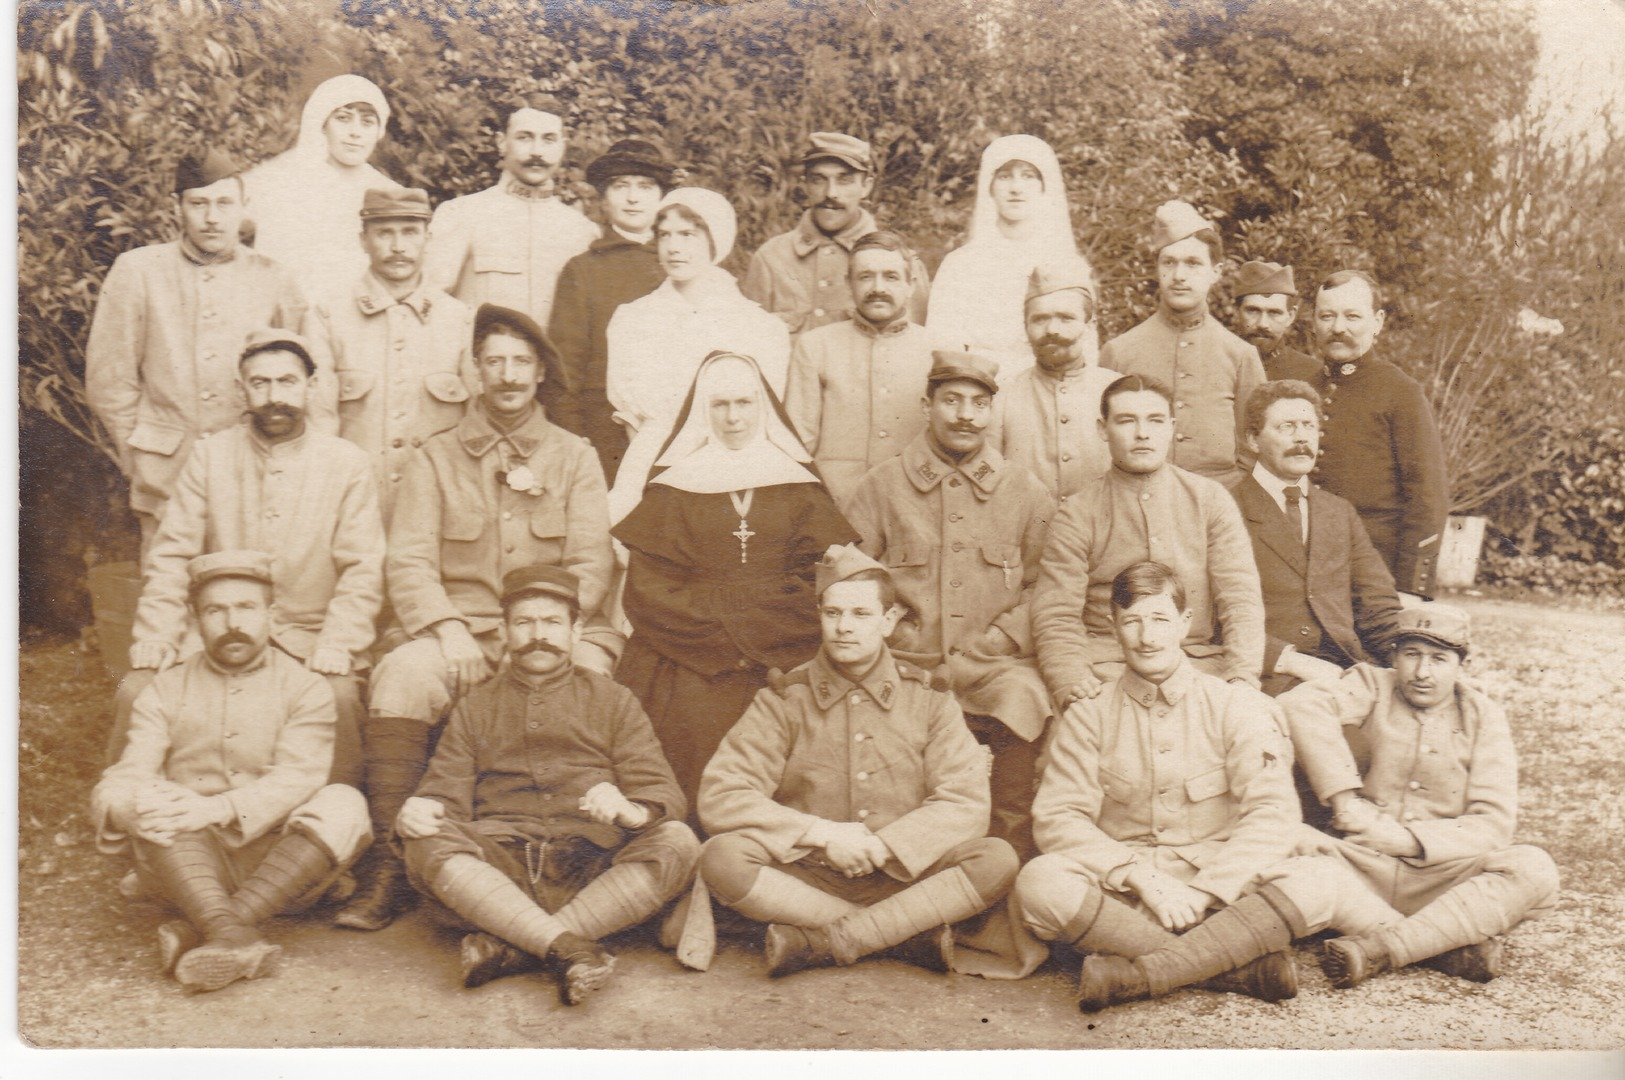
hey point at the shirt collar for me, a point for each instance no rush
(1350, 369)
(512, 185)
(891, 329)
(477, 435)
(1276, 486)
(1180, 323)
(257, 664)
(546, 685)
(1076, 371)
(373, 296)
(926, 470)
(266, 448)
(198, 257)
(829, 685)
(808, 237)
(1172, 689)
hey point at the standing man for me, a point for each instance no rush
(1428, 824)
(399, 346)
(1144, 508)
(801, 276)
(160, 363)
(1266, 308)
(1381, 449)
(1210, 370)
(1329, 600)
(848, 807)
(632, 177)
(851, 393)
(305, 499)
(1046, 411)
(962, 532)
(1167, 821)
(501, 490)
(549, 817)
(222, 792)
(507, 244)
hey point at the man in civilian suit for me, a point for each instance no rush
(1329, 600)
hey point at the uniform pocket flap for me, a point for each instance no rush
(547, 522)
(1211, 783)
(465, 524)
(1115, 786)
(155, 437)
(354, 385)
(445, 386)
(1005, 556)
(906, 558)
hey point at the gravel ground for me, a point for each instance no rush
(88, 978)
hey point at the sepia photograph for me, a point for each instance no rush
(805, 525)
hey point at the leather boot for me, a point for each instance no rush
(189, 872)
(296, 866)
(397, 753)
(933, 950)
(1106, 980)
(486, 957)
(1350, 961)
(1477, 963)
(1272, 977)
(583, 966)
(176, 938)
(789, 949)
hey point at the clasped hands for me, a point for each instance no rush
(163, 809)
(421, 817)
(1362, 823)
(1176, 905)
(852, 849)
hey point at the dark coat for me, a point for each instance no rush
(1288, 363)
(1336, 601)
(612, 272)
(1380, 450)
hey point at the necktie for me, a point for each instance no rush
(1294, 515)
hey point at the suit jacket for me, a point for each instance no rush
(1336, 601)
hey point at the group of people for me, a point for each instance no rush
(542, 574)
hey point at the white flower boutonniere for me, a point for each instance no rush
(522, 479)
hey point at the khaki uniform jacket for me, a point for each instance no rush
(854, 396)
(963, 543)
(505, 245)
(1047, 424)
(1211, 373)
(262, 736)
(403, 371)
(1449, 774)
(1186, 522)
(460, 525)
(1195, 773)
(801, 275)
(310, 503)
(889, 752)
(161, 360)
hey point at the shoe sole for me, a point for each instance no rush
(584, 977)
(1342, 964)
(175, 940)
(211, 967)
(482, 962)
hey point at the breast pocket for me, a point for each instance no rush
(1007, 559)
(354, 385)
(1209, 810)
(548, 529)
(445, 386)
(499, 258)
(1115, 787)
(464, 517)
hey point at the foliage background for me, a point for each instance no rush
(1395, 135)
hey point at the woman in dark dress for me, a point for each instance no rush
(719, 583)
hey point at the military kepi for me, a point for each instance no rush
(271, 339)
(1070, 273)
(947, 364)
(254, 565)
(394, 203)
(833, 146)
(840, 562)
(1441, 624)
(200, 168)
(540, 580)
(1174, 221)
(1259, 278)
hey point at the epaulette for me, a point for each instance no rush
(780, 683)
(918, 674)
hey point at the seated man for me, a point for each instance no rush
(548, 817)
(848, 807)
(1165, 797)
(221, 792)
(1329, 600)
(1428, 826)
(962, 530)
(1144, 508)
(504, 489)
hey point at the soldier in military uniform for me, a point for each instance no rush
(1266, 308)
(1428, 823)
(962, 531)
(848, 807)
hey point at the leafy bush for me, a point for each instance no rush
(1551, 576)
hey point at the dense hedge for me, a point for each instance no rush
(1314, 131)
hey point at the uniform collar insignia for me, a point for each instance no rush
(519, 190)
